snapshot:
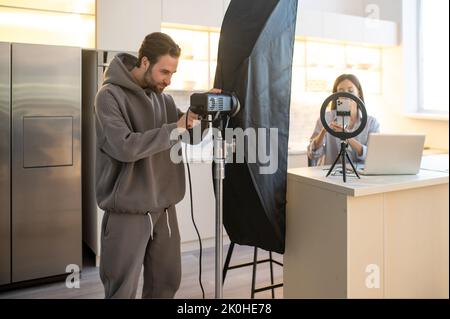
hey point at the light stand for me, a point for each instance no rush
(219, 156)
(219, 159)
(219, 176)
(223, 106)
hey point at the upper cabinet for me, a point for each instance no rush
(348, 28)
(122, 25)
(310, 23)
(205, 13)
(53, 22)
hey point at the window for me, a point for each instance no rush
(433, 30)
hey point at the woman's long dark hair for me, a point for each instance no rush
(352, 78)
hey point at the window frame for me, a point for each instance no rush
(421, 109)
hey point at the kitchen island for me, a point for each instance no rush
(374, 237)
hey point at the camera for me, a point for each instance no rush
(205, 104)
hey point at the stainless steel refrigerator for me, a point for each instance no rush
(40, 161)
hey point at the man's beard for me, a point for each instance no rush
(151, 84)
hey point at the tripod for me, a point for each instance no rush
(344, 156)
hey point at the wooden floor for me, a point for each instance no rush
(237, 283)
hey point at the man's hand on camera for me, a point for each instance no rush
(215, 91)
(181, 124)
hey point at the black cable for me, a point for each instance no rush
(192, 213)
(192, 205)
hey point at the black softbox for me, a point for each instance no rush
(255, 61)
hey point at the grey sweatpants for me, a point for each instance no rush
(127, 245)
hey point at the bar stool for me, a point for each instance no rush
(254, 290)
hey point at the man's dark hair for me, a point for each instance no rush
(157, 44)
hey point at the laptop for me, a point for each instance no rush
(393, 154)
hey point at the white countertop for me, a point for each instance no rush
(297, 148)
(367, 185)
(436, 162)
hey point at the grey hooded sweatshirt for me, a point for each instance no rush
(134, 172)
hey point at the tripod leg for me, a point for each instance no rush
(271, 273)
(255, 263)
(334, 164)
(227, 261)
(353, 166)
(344, 169)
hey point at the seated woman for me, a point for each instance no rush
(324, 148)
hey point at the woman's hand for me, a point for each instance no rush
(351, 123)
(318, 140)
(336, 127)
(356, 145)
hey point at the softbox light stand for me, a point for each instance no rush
(219, 175)
(219, 159)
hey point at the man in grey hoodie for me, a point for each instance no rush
(137, 184)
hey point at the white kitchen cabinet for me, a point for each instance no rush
(380, 237)
(206, 13)
(380, 32)
(343, 27)
(122, 25)
(309, 24)
(347, 28)
(385, 9)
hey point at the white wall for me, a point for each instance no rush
(391, 108)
